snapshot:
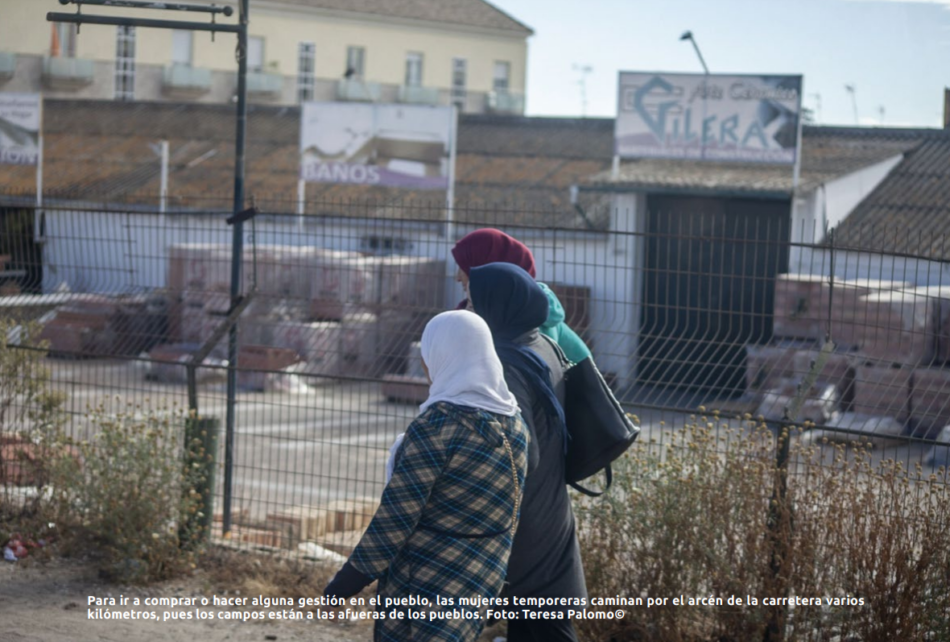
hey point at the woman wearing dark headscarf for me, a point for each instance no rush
(445, 524)
(545, 557)
(489, 245)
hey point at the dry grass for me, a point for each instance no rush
(695, 517)
(263, 574)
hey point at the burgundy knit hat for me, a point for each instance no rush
(489, 245)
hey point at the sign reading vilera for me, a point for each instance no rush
(743, 118)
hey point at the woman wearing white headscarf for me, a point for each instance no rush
(445, 523)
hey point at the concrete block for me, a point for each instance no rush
(884, 391)
(930, 401)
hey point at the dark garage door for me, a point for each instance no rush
(708, 288)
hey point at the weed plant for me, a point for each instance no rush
(130, 496)
(696, 517)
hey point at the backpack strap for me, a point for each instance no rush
(559, 351)
(594, 493)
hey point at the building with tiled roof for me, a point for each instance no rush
(434, 52)
(909, 211)
(100, 151)
(464, 13)
(827, 154)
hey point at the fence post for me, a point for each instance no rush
(201, 453)
(780, 534)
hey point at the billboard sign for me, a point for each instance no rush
(743, 118)
(376, 144)
(20, 129)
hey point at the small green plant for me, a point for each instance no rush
(131, 492)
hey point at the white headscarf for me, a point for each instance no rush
(458, 351)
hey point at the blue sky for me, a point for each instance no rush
(896, 53)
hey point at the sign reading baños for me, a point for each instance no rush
(376, 144)
(741, 118)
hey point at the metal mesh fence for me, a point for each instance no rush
(682, 310)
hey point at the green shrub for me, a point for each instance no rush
(30, 413)
(694, 517)
(129, 494)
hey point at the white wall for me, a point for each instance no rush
(842, 195)
(117, 253)
(88, 251)
(816, 211)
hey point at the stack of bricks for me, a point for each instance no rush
(199, 282)
(82, 329)
(930, 401)
(837, 371)
(337, 521)
(898, 326)
(257, 363)
(891, 340)
(768, 366)
(340, 282)
(341, 312)
(168, 364)
(882, 391)
(850, 314)
(316, 342)
(801, 308)
(411, 387)
(939, 296)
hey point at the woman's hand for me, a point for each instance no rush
(346, 583)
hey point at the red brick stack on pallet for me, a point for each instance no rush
(101, 326)
(338, 313)
(337, 525)
(892, 344)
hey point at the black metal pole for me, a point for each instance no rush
(154, 4)
(121, 21)
(237, 252)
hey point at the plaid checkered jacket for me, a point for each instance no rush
(443, 528)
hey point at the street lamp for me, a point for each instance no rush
(688, 35)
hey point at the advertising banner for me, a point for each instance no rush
(743, 118)
(20, 129)
(376, 144)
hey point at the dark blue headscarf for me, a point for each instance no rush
(512, 304)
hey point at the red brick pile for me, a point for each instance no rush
(892, 347)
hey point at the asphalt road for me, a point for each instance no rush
(289, 449)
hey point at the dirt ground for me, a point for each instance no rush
(47, 601)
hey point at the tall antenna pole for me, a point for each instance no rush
(582, 83)
(854, 101)
(817, 98)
